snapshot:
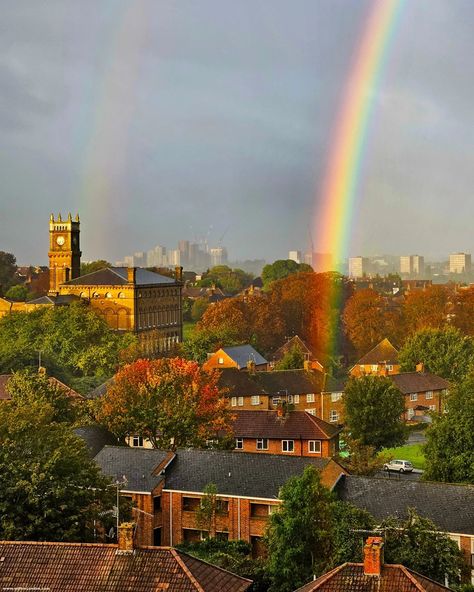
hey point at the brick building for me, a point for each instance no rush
(167, 488)
(242, 357)
(424, 393)
(312, 363)
(382, 360)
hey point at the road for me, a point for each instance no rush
(415, 476)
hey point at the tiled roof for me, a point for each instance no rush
(95, 437)
(418, 382)
(295, 382)
(235, 473)
(350, 577)
(241, 354)
(450, 507)
(382, 352)
(4, 395)
(136, 465)
(293, 426)
(117, 276)
(68, 567)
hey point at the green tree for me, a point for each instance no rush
(232, 281)
(91, 266)
(205, 341)
(416, 543)
(27, 387)
(373, 411)
(208, 510)
(449, 449)
(446, 352)
(8, 269)
(17, 293)
(350, 527)
(292, 360)
(199, 308)
(299, 533)
(363, 459)
(50, 490)
(281, 269)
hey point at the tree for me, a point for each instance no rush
(8, 269)
(91, 266)
(373, 411)
(462, 313)
(416, 543)
(445, 352)
(27, 388)
(347, 538)
(426, 308)
(205, 341)
(17, 293)
(50, 489)
(281, 269)
(363, 459)
(449, 449)
(210, 507)
(299, 532)
(170, 401)
(292, 360)
(232, 281)
(198, 308)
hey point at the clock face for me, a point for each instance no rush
(60, 240)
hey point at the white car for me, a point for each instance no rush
(402, 466)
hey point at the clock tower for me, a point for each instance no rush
(64, 251)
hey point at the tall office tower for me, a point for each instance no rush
(174, 257)
(156, 257)
(218, 256)
(460, 263)
(358, 267)
(412, 265)
(295, 256)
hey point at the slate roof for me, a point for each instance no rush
(60, 300)
(334, 385)
(418, 382)
(69, 567)
(450, 507)
(382, 352)
(241, 354)
(293, 426)
(136, 465)
(95, 437)
(235, 473)
(117, 276)
(273, 382)
(350, 577)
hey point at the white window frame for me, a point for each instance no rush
(389, 367)
(288, 444)
(290, 399)
(296, 399)
(310, 398)
(240, 401)
(312, 444)
(239, 444)
(220, 360)
(255, 400)
(432, 407)
(429, 395)
(410, 412)
(260, 444)
(333, 416)
(336, 397)
(138, 439)
(413, 396)
(374, 367)
(233, 402)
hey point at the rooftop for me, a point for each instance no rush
(241, 354)
(382, 352)
(273, 382)
(118, 276)
(418, 382)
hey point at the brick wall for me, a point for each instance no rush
(328, 448)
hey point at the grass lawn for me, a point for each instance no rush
(188, 328)
(411, 452)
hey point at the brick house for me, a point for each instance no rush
(268, 390)
(241, 357)
(449, 506)
(372, 575)
(382, 360)
(332, 400)
(424, 394)
(89, 567)
(296, 432)
(312, 362)
(167, 488)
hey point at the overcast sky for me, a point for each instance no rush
(159, 120)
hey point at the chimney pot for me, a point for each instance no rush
(125, 537)
(373, 556)
(131, 275)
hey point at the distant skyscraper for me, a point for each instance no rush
(358, 267)
(295, 256)
(174, 257)
(218, 256)
(412, 265)
(460, 263)
(156, 257)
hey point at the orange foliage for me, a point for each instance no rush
(426, 308)
(462, 311)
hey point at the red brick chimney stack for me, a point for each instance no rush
(373, 556)
(125, 538)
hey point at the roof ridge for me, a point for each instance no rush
(318, 421)
(186, 570)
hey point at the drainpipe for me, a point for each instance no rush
(171, 518)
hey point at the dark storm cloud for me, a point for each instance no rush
(220, 113)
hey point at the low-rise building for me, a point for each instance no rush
(242, 357)
(424, 393)
(381, 360)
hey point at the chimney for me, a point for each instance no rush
(307, 365)
(125, 538)
(178, 273)
(420, 367)
(373, 556)
(251, 366)
(131, 275)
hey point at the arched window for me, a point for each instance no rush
(111, 318)
(108, 295)
(95, 295)
(83, 295)
(121, 294)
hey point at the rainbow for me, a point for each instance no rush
(339, 188)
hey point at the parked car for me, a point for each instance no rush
(402, 466)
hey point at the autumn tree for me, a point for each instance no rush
(198, 308)
(281, 269)
(170, 401)
(444, 351)
(426, 308)
(462, 312)
(373, 411)
(362, 459)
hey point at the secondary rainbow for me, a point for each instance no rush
(339, 189)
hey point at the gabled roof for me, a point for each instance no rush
(272, 382)
(450, 507)
(418, 382)
(382, 352)
(235, 473)
(241, 354)
(350, 577)
(135, 465)
(239, 383)
(117, 276)
(295, 341)
(5, 395)
(294, 426)
(69, 567)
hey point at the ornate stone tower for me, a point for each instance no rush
(64, 252)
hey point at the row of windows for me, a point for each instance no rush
(255, 400)
(414, 396)
(147, 320)
(99, 295)
(314, 446)
(163, 292)
(375, 367)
